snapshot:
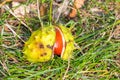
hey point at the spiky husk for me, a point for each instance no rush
(39, 46)
(69, 43)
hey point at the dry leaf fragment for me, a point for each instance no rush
(42, 10)
(97, 11)
(20, 10)
(77, 4)
(60, 10)
(73, 13)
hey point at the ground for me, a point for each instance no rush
(95, 26)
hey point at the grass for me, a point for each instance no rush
(96, 57)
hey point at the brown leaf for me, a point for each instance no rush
(20, 10)
(77, 4)
(73, 13)
(42, 10)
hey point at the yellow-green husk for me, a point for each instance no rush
(39, 47)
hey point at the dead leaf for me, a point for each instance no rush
(73, 13)
(77, 4)
(42, 10)
(20, 10)
(33, 9)
(97, 11)
(57, 11)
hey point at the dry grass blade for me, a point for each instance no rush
(66, 70)
(62, 8)
(77, 4)
(4, 66)
(7, 8)
(38, 10)
(4, 2)
(15, 34)
(97, 40)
